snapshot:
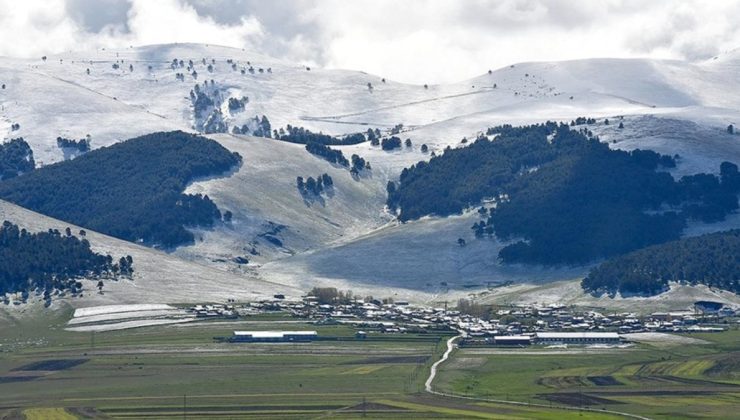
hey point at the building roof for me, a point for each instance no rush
(511, 337)
(273, 334)
(577, 335)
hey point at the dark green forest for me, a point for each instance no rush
(132, 190)
(16, 157)
(49, 261)
(712, 259)
(563, 196)
(327, 153)
(81, 145)
(302, 135)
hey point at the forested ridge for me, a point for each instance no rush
(132, 190)
(712, 259)
(561, 195)
(51, 261)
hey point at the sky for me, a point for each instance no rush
(413, 41)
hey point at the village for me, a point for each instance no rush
(500, 326)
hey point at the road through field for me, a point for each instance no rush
(448, 352)
(445, 356)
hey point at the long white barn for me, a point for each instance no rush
(576, 337)
(273, 336)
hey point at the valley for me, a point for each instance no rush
(667, 106)
(184, 174)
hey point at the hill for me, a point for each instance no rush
(337, 101)
(132, 190)
(563, 195)
(671, 107)
(158, 277)
(708, 259)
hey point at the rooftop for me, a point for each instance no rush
(273, 334)
(577, 335)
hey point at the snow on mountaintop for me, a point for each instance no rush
(348, 240)
(57, 97)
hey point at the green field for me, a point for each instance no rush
(685, 380)
(181, 371)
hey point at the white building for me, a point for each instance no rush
(274, 336)
(577, 337)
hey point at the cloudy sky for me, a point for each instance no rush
(416, 41)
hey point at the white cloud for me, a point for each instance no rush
(418, 41)
(32, 28)
(166, 21)
(27, 26)
(427, 40)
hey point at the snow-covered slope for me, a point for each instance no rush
(158, 277)
(57, 96)
(347, 239)
(263, 197)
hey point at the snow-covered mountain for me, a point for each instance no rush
(348, 240)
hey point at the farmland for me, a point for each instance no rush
(179, 370)
(685, 379)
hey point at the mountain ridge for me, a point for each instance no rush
(671, 106)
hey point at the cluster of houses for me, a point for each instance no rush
(514, 325)
(215, 311)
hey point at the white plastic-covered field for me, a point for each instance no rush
(119, 317)
(107, 310)
(125, 325)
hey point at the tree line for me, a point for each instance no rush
(51, 261)
(16, 158)
(302, 135)
(314, 186)
(327, 153)
(710, 259)
(132, 190)
(562, 195)
(81, 145)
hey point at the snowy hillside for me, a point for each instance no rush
(158, 277)
(346, 238)
(57, 97)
